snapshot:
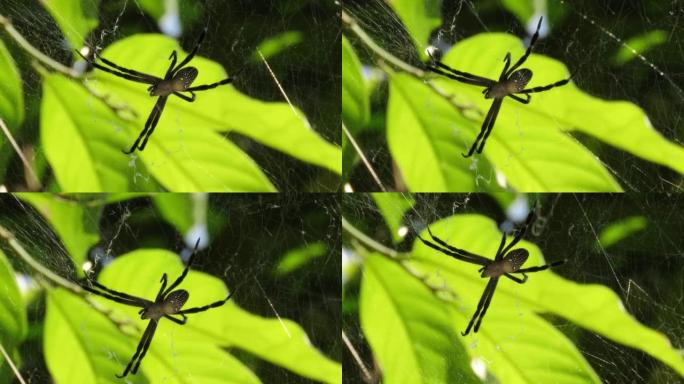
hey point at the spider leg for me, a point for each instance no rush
(147, 335)
(127, 76)
(161, 289)
(489, 289)
(541, 267)
(520, 99)
(488, 121)
(454, 252)
(142, 75)
(186, 98)
(150, 124)
(185, 270)
(521, 232)
(206, 307)
(486, 306)
(173, 58)
(132, 301)
(459, 73)
(209, 86)
(177, 321)
(467, 80)
(507, 61)
(517, 279)
(528, 51)
(117, 293)
(499, 255)
(496, 106)
(146, 346)
(192, 54)
(546, 87)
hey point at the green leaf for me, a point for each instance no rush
(641, 44)
(179, 351)
(75, 223)
(392, 207)
(408, 328)
(13, 323)
(419, 17)
(299, 257)
(202, 161)
(527, 147)
(512, 317)
(355, 103)
(176, 209)
(222, 109)
(276, 44)
(11, 96)
(76, 18)
(621, 229)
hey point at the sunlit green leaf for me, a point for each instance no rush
(13, 323)
(409, 330)
(75, 224)
(83, 140)
(513, 338)
(621, 229)
(222, 109)
(355, 103)
(11, 96)
(392, 206)
(419, 17)
(299, 257)
(76, 18)
(178, 352)
(641, 44)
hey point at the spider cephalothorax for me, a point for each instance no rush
(511, 83)
(506, 262)
(177, 80)
(167, 304)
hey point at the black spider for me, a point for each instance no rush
(506, 262)
(176, 80)
(167, 303)
(511, 83)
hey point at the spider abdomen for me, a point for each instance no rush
(173, 302)
(509, 264)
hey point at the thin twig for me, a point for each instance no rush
(11, 364)
(59, 280)
(359, 151)
(399, 64)
(367, 377)
(280, 87)
(27, 165)
(401, 260)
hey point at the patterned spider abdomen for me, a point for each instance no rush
(170, 305)
(184, 78)
(510, 263)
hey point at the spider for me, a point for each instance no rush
(505, 263)
(167, 303)
(177, 79)
(511, 83)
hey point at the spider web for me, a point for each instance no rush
(585, 35)
(241, 37)
(644, 268)
(244, 239)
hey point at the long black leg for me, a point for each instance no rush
(147, 335)
(192, 54)
(491, 115)
(132, 303)
(161, 289)
(456, 255)
(545, 87)
(521, 231)
(177, 321)
(117, 293)
(185, 270)
(520, 99)
(486, 304)
(528, 51)
(149, 78)
(460, 78)
(149, 125)
(209, 86)
(146, 346)
(209, 306)
(541, 267)
(186, 98)
(507, 61)
(499, 255)
(460, 73)
(483, 260)
(488, 289)
(496, 106)
(169, 71)
(517, 279)
(126, 76)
